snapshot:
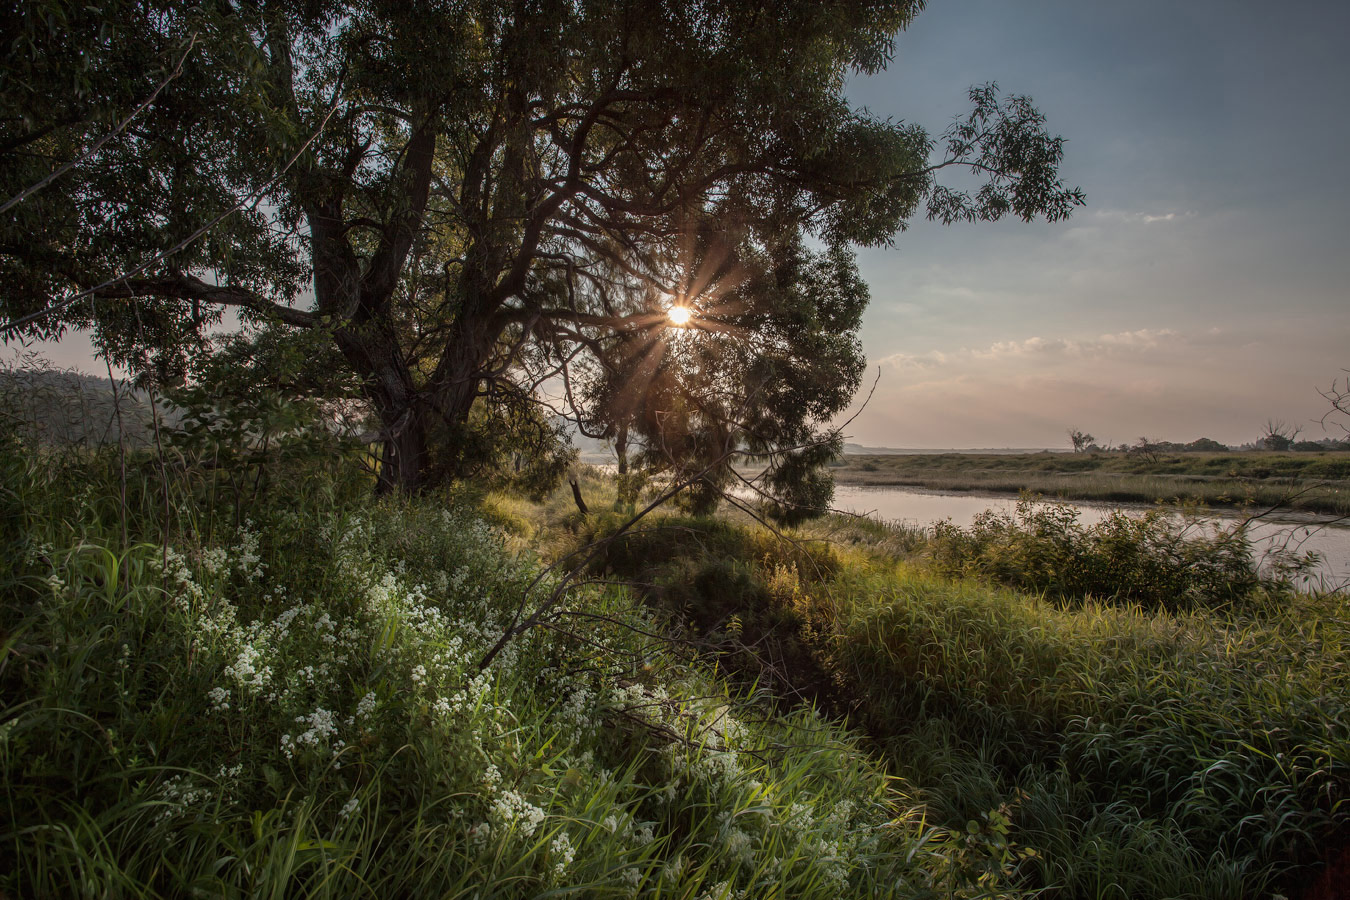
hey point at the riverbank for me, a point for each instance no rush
(1312, 482)
(1092, 703)
(299, 696)
(315, 694)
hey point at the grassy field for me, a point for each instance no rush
(218, 685)
(1315, 482)
(1124, 744)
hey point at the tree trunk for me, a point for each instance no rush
(403, 463)
(576, 493)
(402, 408)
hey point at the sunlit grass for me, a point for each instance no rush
(1168, 750)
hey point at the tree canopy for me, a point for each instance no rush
(477, 202)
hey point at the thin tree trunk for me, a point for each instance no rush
(575, 481)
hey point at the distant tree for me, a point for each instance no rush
(1206, 445)
(1278, 435)
(1081, 440)
(471, 200)
(1148, 450)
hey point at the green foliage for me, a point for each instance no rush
(508, 444)
(1006, 137)
(293, 707)
(1159, 560)
(1094, 749)
(254, 414)
(490, 199)
(1192, 754)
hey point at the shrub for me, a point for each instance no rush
(1159, 559)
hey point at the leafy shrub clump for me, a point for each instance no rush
(1198, 753)
(1159, 560)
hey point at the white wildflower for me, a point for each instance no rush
(322, 726)
(562, 853)
(215, 560)
(480, 834)
(674, 870)
(513, 810)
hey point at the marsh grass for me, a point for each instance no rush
(1157, 559)
(1313, 482)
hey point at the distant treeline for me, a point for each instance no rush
(69, 408)
(1208, 445)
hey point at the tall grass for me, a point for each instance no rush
(292, 706)
(1157, 559)
(1221, 742)
(1314, 482)
(1139, 748)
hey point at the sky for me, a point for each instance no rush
(1203, 289)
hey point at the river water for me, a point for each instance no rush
(1307, 533)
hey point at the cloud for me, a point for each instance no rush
(1139, 342)
(1140, 217)
(1175, 384)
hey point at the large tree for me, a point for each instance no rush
(473, 199)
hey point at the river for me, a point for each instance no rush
(1331, 542)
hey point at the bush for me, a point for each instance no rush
(1159, 559)
(1189, 749)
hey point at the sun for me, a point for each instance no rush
(679, 316)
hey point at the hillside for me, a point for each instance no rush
(69, 408)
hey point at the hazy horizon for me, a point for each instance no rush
(1202, 289)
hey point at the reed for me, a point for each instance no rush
(1313, 482)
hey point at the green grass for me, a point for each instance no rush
(291, 706)
(1315, 482)
(266, 684)
(1220, 740)
(1163, 750)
